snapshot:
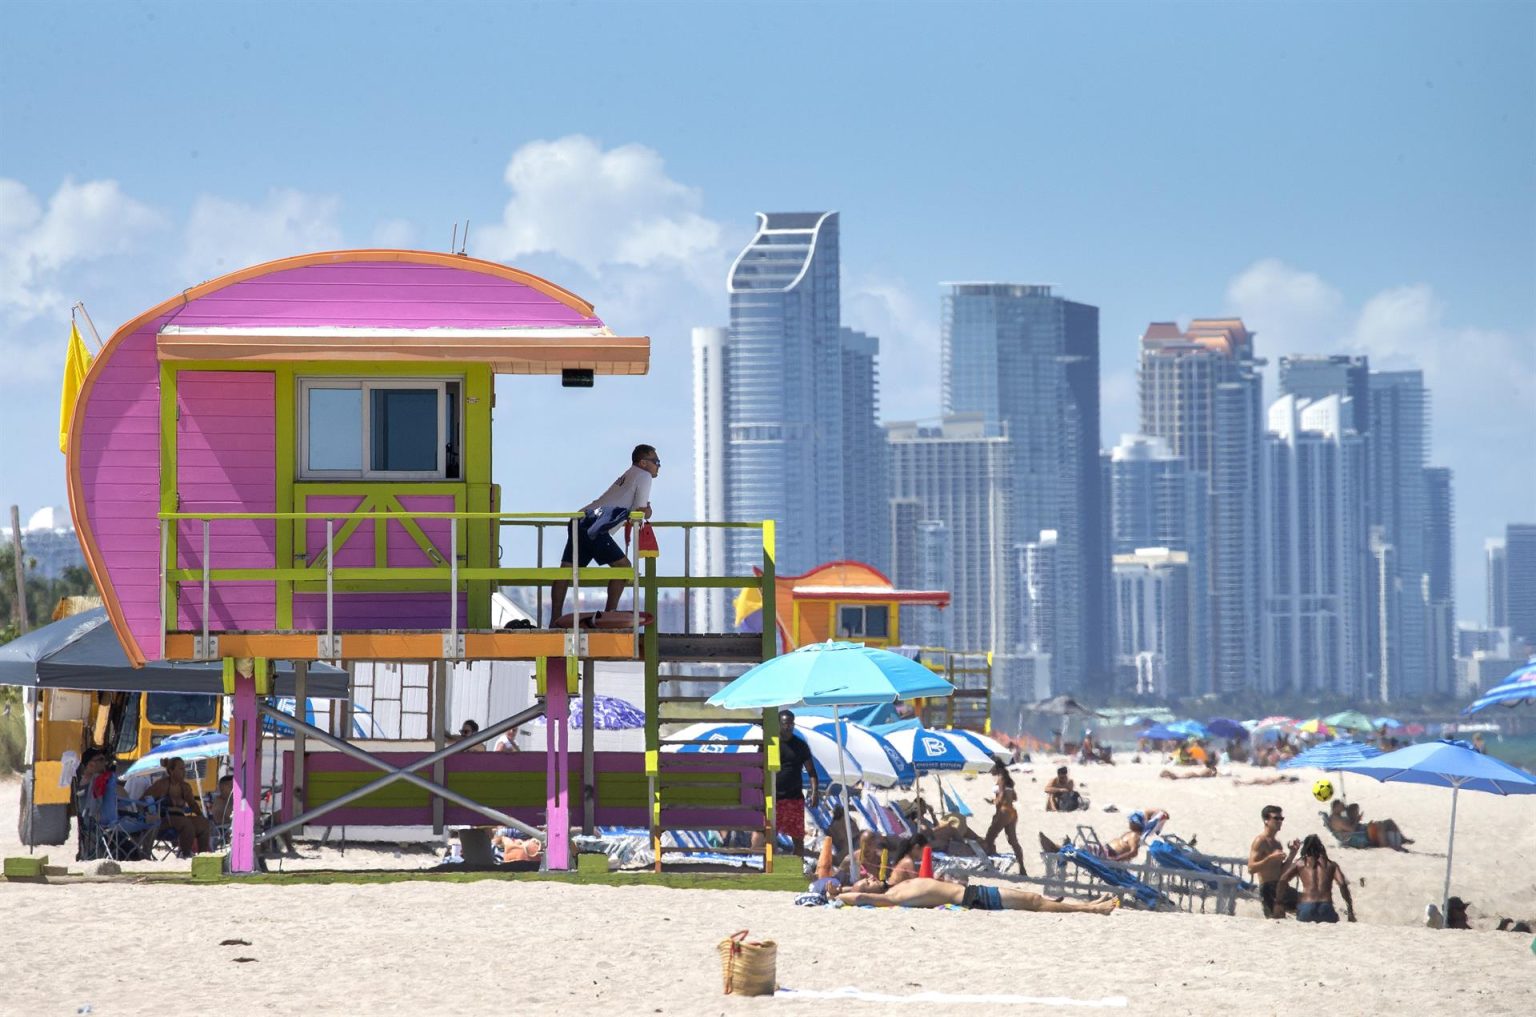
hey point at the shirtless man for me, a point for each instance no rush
(1318, 876)
(934, 893)
(1267, 862)
(1057, 791)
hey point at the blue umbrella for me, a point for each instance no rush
(1163, 733)
(609, 713)
(312, 716)
(200, 743)
(1226, 727)
(1390, 723)
(863, 744)
(1190, 729)
(832, 674)
(929, 750)
(1451, 764)
(1332, 756)
(1515, 690)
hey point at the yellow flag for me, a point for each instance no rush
(748, 603)
(76, 362)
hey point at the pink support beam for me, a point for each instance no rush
(246, 762)
(557, 711)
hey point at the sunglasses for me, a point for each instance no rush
(1275, 819)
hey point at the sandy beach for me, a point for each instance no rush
(528, 947)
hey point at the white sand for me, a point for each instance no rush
(519, 947)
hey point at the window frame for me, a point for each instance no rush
(365, 387)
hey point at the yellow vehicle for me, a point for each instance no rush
(67, 722)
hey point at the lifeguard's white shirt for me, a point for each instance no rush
(632, 491)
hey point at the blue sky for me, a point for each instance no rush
(1349, 177)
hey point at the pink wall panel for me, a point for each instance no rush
(226, 461)
(378, 610)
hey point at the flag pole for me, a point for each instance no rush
(87, 315)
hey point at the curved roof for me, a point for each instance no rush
(779, 253)
(451, 306)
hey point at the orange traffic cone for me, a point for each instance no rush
(925, 870)
(824, 860)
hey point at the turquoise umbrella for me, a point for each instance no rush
(833, 674)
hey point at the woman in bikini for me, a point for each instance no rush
(1006, 817)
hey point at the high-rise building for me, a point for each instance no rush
(1316, 554)
(1155, 500)
(1021, 356)
(1152, 620)
(1201, 391)
(1439, 582)
(1520, 583)
(1399, 411)
(935, 571)
(957, 473)
(708, 545)
(784, 392)
(1045, 604)
(1314, 377)
(866, 530)
(1496, 590)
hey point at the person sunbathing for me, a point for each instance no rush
(934, 893)
(1344, 822)
(1209, 770)
(1273, 778)
(1125, 847)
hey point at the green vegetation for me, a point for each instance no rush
(42, 596)
(13, 730)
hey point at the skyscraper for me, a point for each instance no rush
(784, 392)
(1399, 411)
(1316, 550)
(1040, 579)
(1023, 357)
(958, 473)
(1155, 500)
(1439, 571)
(1152, 625)
(866, 530)
(1313, 377)
(1520, 583)
(1496, 590)
(707, 545)
(1201, 391)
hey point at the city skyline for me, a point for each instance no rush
(636, 190)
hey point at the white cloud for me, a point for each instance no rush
(82, 222)
(1292, 310)
(224, 236)
(395, 233)
(602, 208)
(908, 330)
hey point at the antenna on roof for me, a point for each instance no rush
(454, 243)
(465, 244)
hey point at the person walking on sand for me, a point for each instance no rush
(1318, 875)
(631, 492)
(788, 794)
(1267, 861)
(1005, 818)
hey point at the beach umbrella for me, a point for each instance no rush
(609, 713)
(1517, 689)
(314, 715)
(881, 762)
(199, 743)
(930, 750)
(1276, 721)
(991, 746)
(835, 674)
(1316, 725)
(1162, 733)
(1226, 727)
(1390, 723)
(1331, 756)
(1352, 720)
(716, 736)
(1451, 764)
(1190, 729)
(1413, 730)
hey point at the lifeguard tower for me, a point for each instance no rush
(294, 462)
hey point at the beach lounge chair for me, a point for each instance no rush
(1360, 838)
(1172, 853)
(1106, 876)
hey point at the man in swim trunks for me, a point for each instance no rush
(788, 794)
(1060, 795)
(594, 542)
(1267, 861)
(934, 893)
(1318, 875)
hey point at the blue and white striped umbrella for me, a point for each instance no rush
(1331, 756)
(200, 743)
(1518, 689)
(928, 750)
(609, 713)
(715, 737)
(991, 746)
(882, 764)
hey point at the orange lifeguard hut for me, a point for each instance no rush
(839, 600)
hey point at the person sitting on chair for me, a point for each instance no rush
(183, 811)
(1344, 822)
(1125, 847)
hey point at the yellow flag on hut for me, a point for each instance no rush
(76, 362)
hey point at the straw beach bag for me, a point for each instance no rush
(748, 969)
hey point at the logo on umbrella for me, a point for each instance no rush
(712, 743)
(935, 746)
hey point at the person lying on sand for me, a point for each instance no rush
(1273, 778)
(1344, 821)
(1209, 770)
(934, 893)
